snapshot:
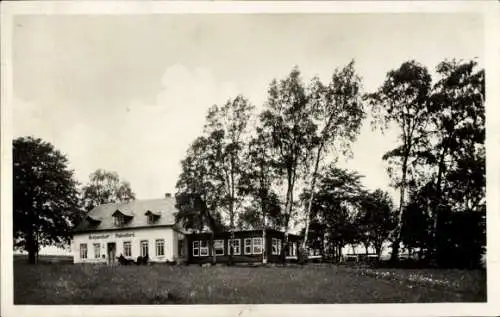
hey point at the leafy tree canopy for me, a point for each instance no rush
(105, 187)
(45, 196)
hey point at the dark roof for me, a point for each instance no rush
(244, 232)
(101, 217)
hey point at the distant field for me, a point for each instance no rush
(161, 284)
(43, 259)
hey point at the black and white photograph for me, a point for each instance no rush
(176, 155)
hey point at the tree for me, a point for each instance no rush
(338, 113)
(458, 118)
(287, 119)
(259, 176)
(317, 233)
(416, 221)
(453, 158)
(226, 128)
(45, 196)
(461, 238)
(197, 197)
(336, 205)
(105, 187)
(376, 218)
(402, 100)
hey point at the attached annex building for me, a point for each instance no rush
(148, 228)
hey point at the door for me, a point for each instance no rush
(111, 252)
(144, 248)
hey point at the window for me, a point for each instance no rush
(219, 247)
(257, 246)
(203, 248)
(236, 246)
(196, 248)
(151, 218)
(120, 220)
(83, 250)
(127, 248)
(144, 248)
(276, 245)
(97, 250)
(160, 247)
(248, 246)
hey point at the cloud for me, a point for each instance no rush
(154, 138)
(144, 143)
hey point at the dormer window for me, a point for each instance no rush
(93, 222)
(152, 217)
(120, 218)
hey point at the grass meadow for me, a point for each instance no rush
(59, 282)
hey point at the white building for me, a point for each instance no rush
(133, 229)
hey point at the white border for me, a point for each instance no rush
(490, 11)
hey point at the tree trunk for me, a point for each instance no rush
(339, 252)
(230, 260)
(211, 223)
(232, 210)
(311, 198)
(264, 246)
(231, 237)
(395, 250)
(397, 233)
(323, 246)
(212, 247)
(288, 211)
(264, 224)
(435, 203)
(378, 250)
(31, 248)
(31, 257)
(264, 243)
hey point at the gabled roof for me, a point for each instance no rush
(136, 209)
(123, 212)
(153, 212)
(94, 218)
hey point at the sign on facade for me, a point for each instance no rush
(106, 236)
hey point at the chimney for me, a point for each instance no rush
(168, 195)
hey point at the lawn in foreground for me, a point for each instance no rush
(69, 284)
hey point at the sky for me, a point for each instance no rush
(129, 93)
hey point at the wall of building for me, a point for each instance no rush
(134, 236)
(243, 256)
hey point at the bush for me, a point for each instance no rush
(461, 237)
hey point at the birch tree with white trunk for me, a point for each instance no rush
(337, 110)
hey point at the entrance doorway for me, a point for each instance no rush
(111, 252)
